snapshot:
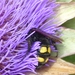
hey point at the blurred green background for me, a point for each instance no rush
(69, 24)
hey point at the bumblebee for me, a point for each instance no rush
(46, 40)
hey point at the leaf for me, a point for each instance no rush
(70, 24)
(64, 0)
(64, 12)
(73, 0)
(68, 44)
(60, 67)
(70, 58)
(63, 67)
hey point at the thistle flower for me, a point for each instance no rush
(17, 17)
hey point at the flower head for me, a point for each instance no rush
(17, 17)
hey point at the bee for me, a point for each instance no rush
(46, 39)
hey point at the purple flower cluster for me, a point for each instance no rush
(17, 17)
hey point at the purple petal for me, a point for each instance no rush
(17, 17)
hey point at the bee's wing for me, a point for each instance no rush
(54, 38)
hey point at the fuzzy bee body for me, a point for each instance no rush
(46, 40)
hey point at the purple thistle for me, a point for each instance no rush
(17, 17)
